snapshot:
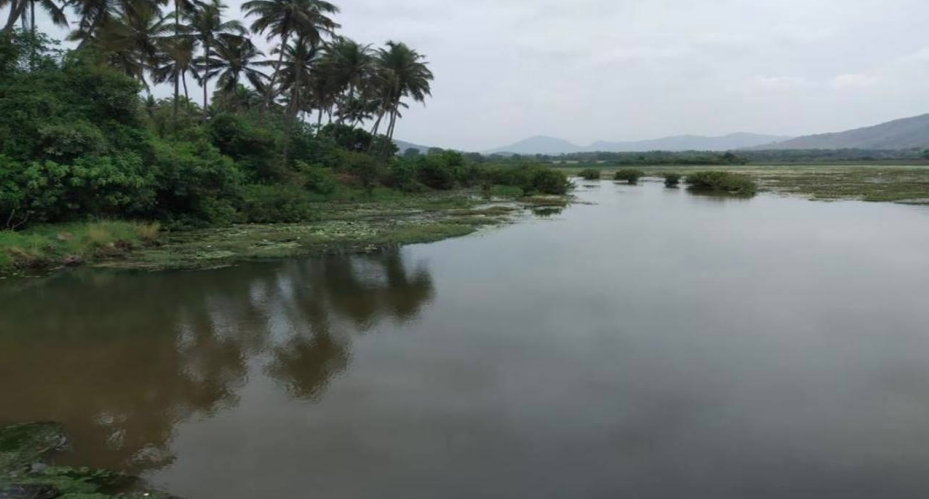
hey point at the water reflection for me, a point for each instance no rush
(122, 361)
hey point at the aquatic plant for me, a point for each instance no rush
(589, 174)
(630, 175)
(722, 182)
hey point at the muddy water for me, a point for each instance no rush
(652, 343)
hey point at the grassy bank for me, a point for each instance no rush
(52, 246)
(357, 225)
(867, 182)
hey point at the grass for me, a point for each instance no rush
(69, 244)
(339, 227)
(908, 184)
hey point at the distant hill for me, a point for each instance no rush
(551, 145)
(403, 146)
(540, 144)
(906, 133)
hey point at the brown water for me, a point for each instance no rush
(654, 344)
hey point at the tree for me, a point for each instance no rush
(206, 25)
(235, 57)
(350, 66)
(18, 10)
(294, 67)
(178, 60)
(132, 39)
(403, 72)
(308, 19)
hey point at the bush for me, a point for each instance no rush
(195, 183)
(254, 148)
(434, 171)
(630, 175)
(548, 181)
(589, 174)
(672, 179)
(722, 182)
(274, 203)
(318, 178)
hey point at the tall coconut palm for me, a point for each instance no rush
(205, 24)
(133, 39)
(93, 15)
(308, 19)
(403, 72)
(21, 9)
(296, 62)
(235, 57)
(186, 7)
(350, 65)
(177, 62)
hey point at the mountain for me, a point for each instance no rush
(540, 144)
(551, 145)
(403, 146)
(904, 133)
(689, 143)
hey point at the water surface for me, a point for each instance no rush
(652, 343)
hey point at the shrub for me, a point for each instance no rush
(672, 179)
(274, 203)
(195, 183)
(254, 148)
(361, 166)
(630, 175)
(722, 182)
(589, 174)
(548, 181)
(318, 178)
(434, 171)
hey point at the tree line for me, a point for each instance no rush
(311, 68)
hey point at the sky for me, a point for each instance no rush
(587, 70)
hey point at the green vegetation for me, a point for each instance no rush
(73, 244)
(629, 175)
(24, 445)
(80, 150)
(722, 182)
(589, 174)
(671, 179)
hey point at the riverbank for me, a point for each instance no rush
(906, 184)
(355, 226)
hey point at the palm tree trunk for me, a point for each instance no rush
(292, 114)
(16, 11)
(277, 68)
(177, 27)
(206, 72)
(32, 27)
(184, 79)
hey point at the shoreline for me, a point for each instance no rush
(356, 227)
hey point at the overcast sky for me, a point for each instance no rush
(587, 70)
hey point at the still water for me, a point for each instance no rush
(649, 344)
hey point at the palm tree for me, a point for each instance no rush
(185, 6)
(403, 72)
(177, 62)
(308, 19)
(55, 12)
(235, 57)
(93, 15)
(295, 65)
(350, 65)
(205, 24)
(133, 39)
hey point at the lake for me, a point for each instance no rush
(645, 343)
